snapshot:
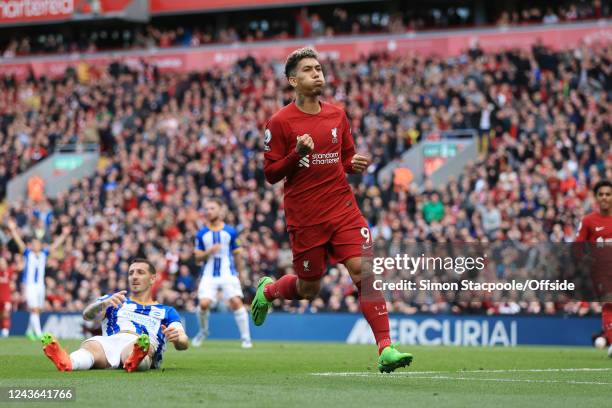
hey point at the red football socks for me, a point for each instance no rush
(373, 306)
(606, 317)
(284, 288)
(374, 309)
(6, 316)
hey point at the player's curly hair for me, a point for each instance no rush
(145, 261)
(600, 184)
(295, 57)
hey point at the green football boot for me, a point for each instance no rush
(260, 305)
(391, 359)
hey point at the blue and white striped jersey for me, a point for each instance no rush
(34, 270)
(221, 263)
(137, 318)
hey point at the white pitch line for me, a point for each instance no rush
(422, 375)
(512, 380)
(538, 370)
(412, 373)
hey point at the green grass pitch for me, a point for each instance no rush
(275, 374)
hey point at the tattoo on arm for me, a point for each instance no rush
(93, 311)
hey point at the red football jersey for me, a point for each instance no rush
(5, 284)
(316, 190)
(595, 228)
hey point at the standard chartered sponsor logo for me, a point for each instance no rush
(325, 158)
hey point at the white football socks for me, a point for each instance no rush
(242, 321)
(35, 324)
(81, 360)
(203, 318)
(145, 364)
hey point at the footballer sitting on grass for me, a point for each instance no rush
(135, 329)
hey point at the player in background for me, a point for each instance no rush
(6, 276)
(218, 246)
(33, 278)
(309, 144)
(596, 227)
(135, 329)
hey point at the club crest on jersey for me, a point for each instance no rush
(306, 265)
(334, 133)
(157, 313)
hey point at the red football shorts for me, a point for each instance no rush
(337, 240)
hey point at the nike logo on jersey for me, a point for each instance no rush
(597, 229)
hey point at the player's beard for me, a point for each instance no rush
(317, 90)
(140, 289)
(312, 90)
(604, 206)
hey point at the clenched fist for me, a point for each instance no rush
(360, 163)
(304, 145)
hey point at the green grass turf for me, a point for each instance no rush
(281, 375)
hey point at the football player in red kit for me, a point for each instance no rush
(6, 273)
(596, 227)
(308, 143)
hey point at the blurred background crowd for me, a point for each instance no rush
(169, 140)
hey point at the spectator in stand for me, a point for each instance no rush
(550, 17)
(433, 210)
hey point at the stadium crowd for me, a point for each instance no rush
(171, 140)
(295, 23)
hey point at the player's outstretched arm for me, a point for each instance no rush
(16, 237)
(59, 241)
(176, 336)
(96, 310)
